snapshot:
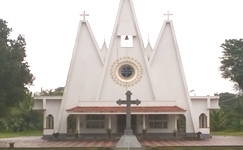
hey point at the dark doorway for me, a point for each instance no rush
(181, 124)
(121, 123)
(71, 124)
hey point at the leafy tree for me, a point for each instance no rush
(56, 92)
(232, 62)
(218, 120)
(59, 91)
(22, 117)
(31, 119)
(230, 114)
(15, 74)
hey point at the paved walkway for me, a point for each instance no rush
(36, 141)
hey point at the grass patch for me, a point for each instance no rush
(229, 133)
(18, 134)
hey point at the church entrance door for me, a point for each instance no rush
(121, 123)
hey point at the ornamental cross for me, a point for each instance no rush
(128, 102)
(84, 15)
(168, 15)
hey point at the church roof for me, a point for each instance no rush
(116, 109)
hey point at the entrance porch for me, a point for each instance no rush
(101, 125)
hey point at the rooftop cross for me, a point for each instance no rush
(84, 15)
(128, 102)
(168, 15)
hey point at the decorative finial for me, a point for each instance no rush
(84, 15)
(148, 38)
(168, 15)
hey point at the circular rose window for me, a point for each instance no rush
(126, 71)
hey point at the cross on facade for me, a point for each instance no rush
(168, 15)
(84, 15)
(128, 102)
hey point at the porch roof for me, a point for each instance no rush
(117, 109)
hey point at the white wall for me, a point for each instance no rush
(199, 107)
(38, 104)
(52, 107)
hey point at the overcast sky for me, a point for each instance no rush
(201, 26)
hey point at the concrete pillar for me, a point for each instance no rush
(109, 121)
(208, 102)
(44, 121)
(44, 103)
(78, 124)
(144, 123)
(208, 120)
(176, 117)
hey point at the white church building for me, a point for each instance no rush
(155, 76)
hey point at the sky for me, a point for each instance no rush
(201, 26)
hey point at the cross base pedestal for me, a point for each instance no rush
(128, 140)
(128, 132)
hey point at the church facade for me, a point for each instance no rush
(155, 76)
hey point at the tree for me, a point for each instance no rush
(22, 117)
(218, 120)
(31, 119)
(56, 92)
(15, 74)
(230, 115)
(232, 62)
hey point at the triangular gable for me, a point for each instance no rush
(126, 23)
(85, 49)
(166, 67)
(165, 58)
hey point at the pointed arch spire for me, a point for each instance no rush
(148, 49)
(104, 50)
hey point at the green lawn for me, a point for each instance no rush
(229, 133)
(39, 133)
(18, 134)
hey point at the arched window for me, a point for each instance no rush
(202, 121)
(49, 122)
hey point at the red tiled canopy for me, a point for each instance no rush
(109, 109)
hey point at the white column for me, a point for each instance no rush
(208, 102)
(109, 121)
(78, 124)
(208, 114)
(176, 117)
(208, 119)
(44, 120)
(144, 123)
(44, 103)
